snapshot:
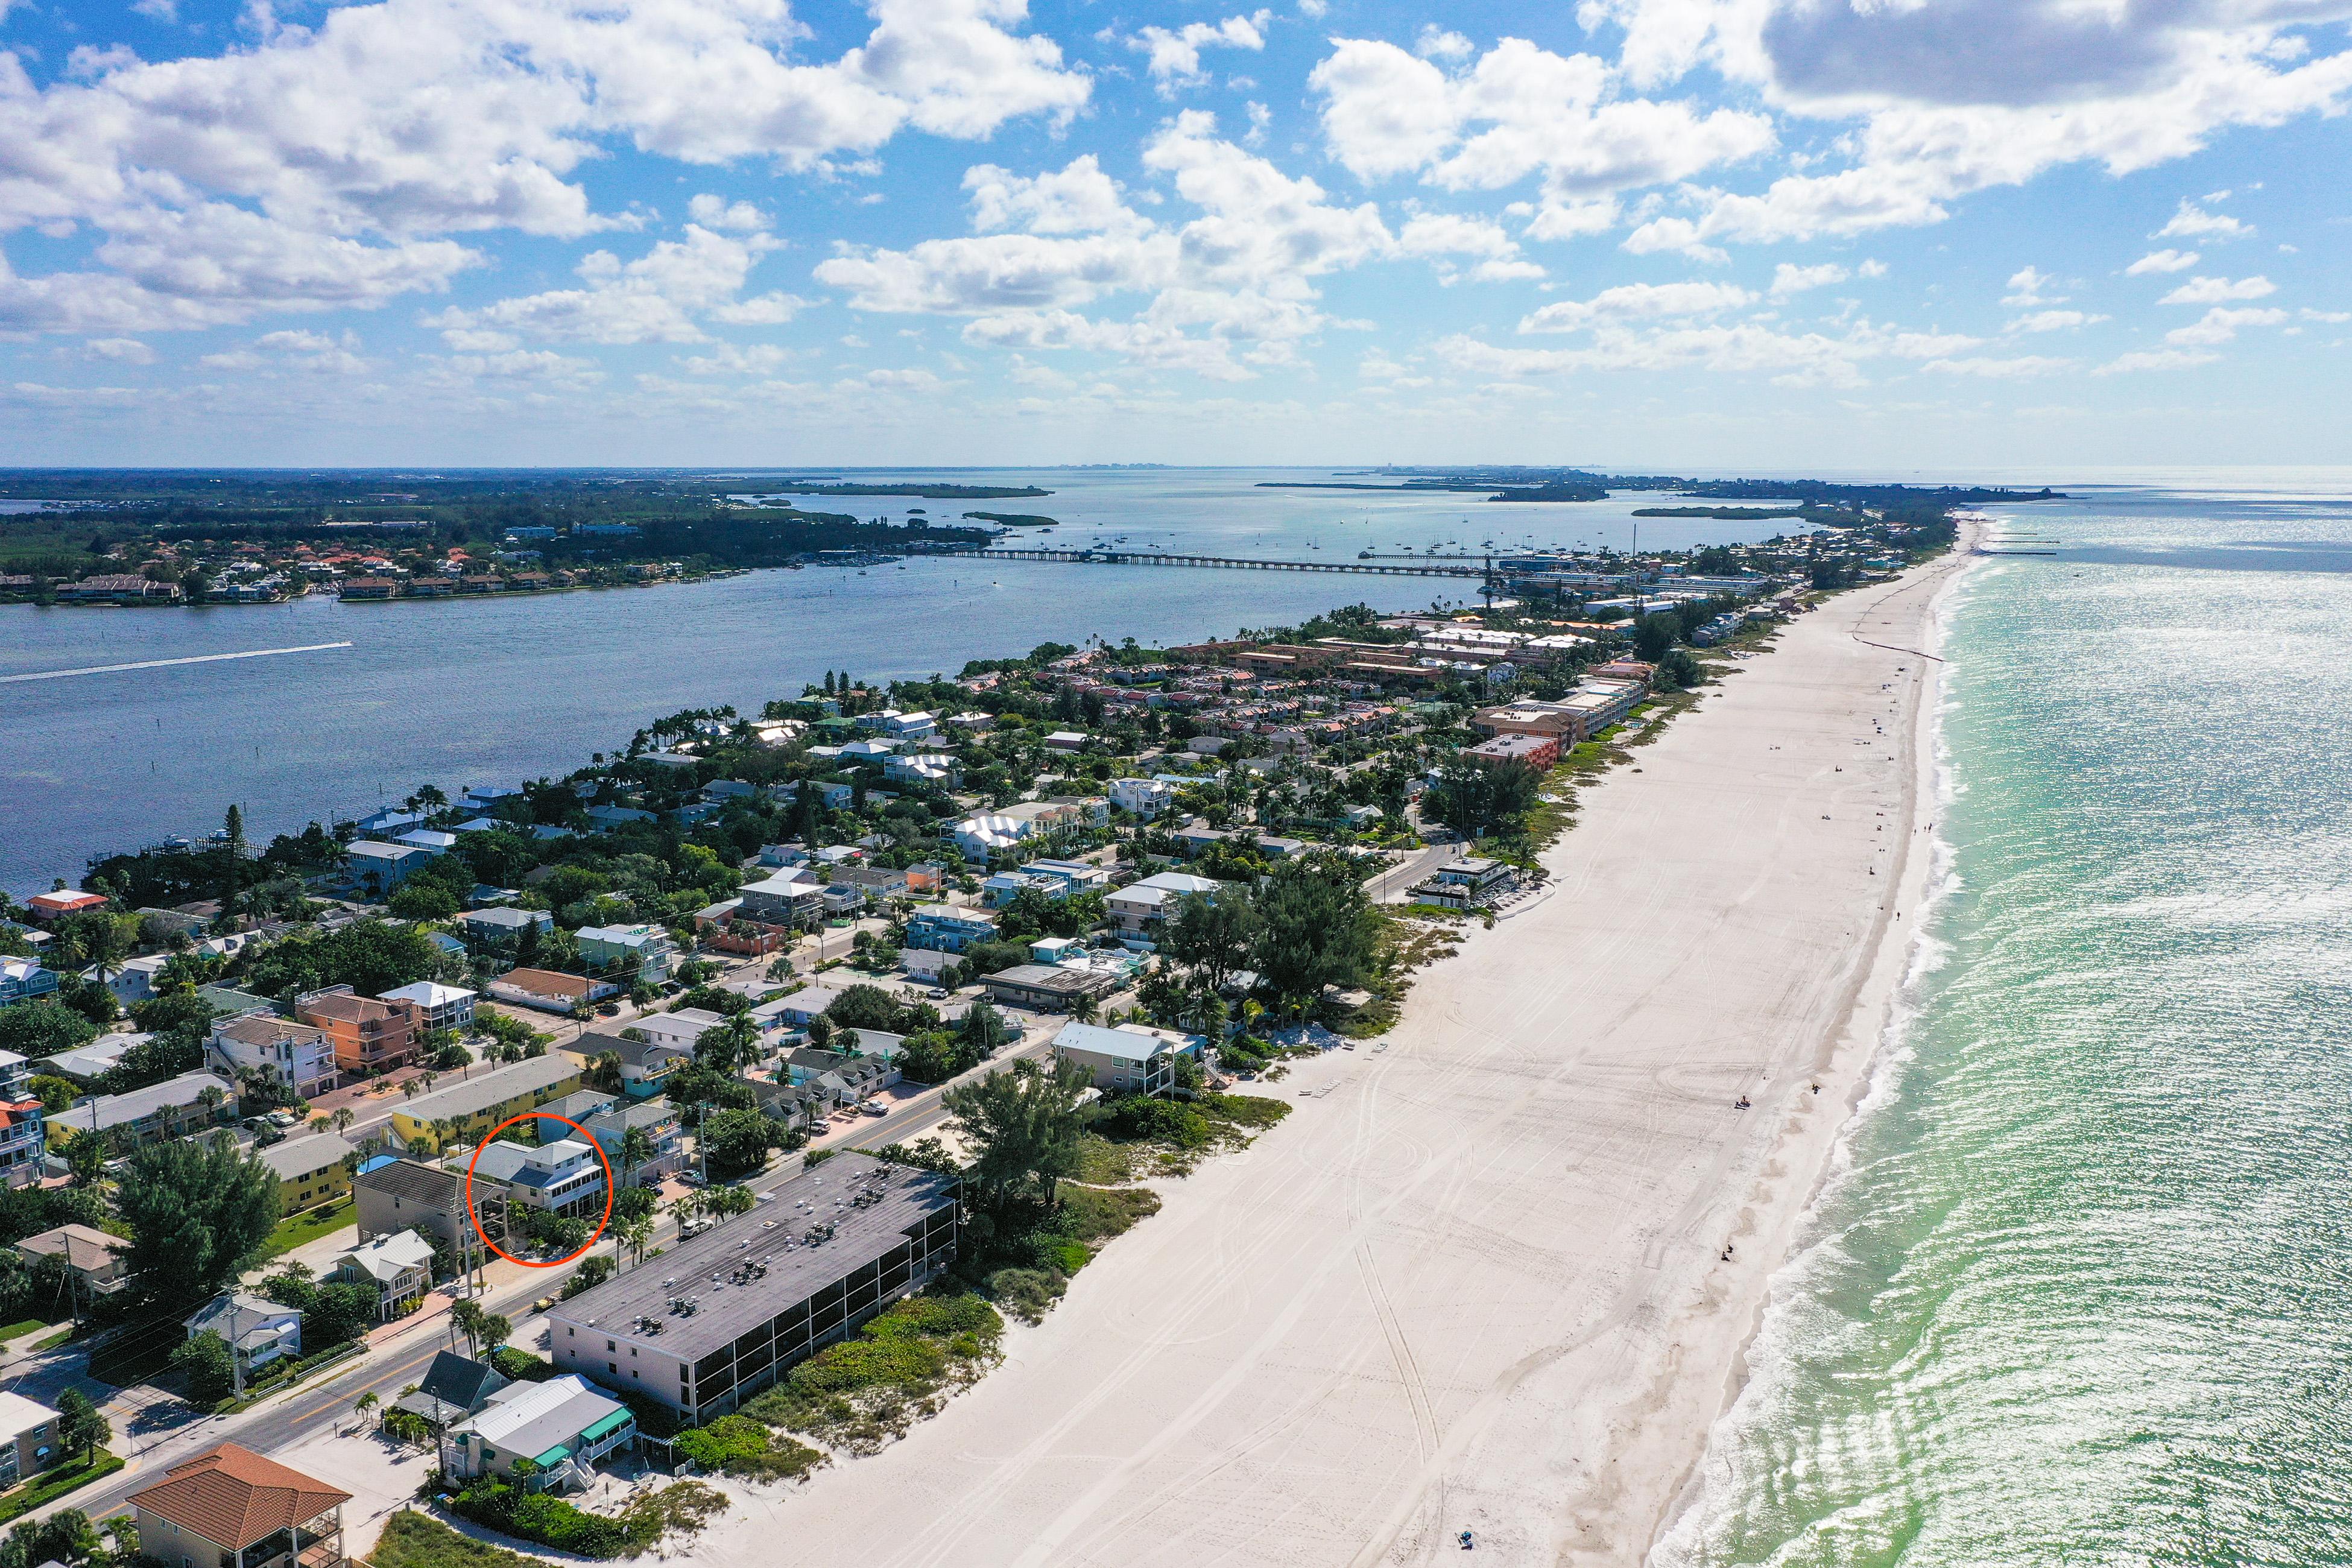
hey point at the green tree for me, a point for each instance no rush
(1317, 930)
(86, 1159)
(864, 1007)
(66, 1536)
(233, 860)
(1212, 934)
(1657, 634)
(633, 1201)
(633, 1236)
(1677, 669)
(43, 1028)
(365, 1405)
(205, 1361)
(338, 1314)
(483, 1329)
(93, 937)
(735, 1141)
(636, 1148)
(80, 1428)
(983, 1029)
(1476, 797)
(725, 1047)
(419, 899)
(1024, 1125)
(727, 1202)
(198, 1209)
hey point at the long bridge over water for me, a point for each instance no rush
(1477, 572)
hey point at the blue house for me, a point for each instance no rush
(24, 980)
(942, 928)
(379, 867)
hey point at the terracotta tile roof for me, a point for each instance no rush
(234, 1498)
(344, 1009)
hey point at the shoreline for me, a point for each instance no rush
(1850, 1060)
(1474, 1281)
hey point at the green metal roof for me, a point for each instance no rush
(611, 1424)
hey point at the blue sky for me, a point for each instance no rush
(1682, 234)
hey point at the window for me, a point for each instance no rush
(608, 1345)
(610, 1367)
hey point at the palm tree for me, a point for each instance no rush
(365, 1404)
(468, 1318)
(636, 1234)
(344, 1117)
(605, 1072)
(86, 1159)
(636, 1148)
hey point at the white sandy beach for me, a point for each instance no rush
(1475, 1281)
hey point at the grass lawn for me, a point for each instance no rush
(52, 1484)
(54, 1341)
(26, 1327)
(297, 1230)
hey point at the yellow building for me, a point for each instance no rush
(479, 1102)
(313, 1169)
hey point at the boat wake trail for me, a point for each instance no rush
(163, 663)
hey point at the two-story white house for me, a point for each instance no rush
(601, 946)
(565, 1177)
(301, 1056)
(1141, 908)
(1145, 798)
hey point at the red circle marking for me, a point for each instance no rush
(605, 1219)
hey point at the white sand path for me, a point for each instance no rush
(1475, 1281)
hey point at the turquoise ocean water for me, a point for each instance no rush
(2080, 1289)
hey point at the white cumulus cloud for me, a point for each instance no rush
(2192, 221)
(325, 165)
(1174, 54)
(2218, 291)
(1791, 280)
(1519, 110)
(1634, 301)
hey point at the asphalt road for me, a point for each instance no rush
(166, 1430)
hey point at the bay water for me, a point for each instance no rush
(2079, 1289)
(495, 689)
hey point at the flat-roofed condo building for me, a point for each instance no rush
(716, 1319)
